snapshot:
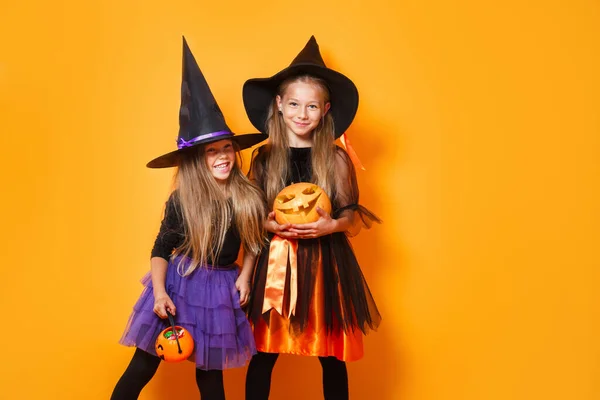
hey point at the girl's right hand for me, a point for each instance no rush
(272, 226)
(162, 304)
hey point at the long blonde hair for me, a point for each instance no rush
(208, 210)
(278, 148)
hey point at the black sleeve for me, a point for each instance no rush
(346, 195)
(171, 234)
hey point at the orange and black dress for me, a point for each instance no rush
(309, 296)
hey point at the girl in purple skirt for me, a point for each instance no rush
(212, 212)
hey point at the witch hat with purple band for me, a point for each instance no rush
(258, 93)
(200, 118)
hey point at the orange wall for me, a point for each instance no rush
(479, 128)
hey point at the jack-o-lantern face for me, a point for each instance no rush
(166, 345)
(297, 203)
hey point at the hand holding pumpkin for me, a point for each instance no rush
(303, 208)
(282, 230)
(325, 225)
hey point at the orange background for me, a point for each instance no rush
(479, 126)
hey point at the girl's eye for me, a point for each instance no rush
(211, 150)
(293, 104)
(313, 106)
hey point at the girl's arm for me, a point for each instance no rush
(162, 301)
(243, 281)
(169, 237)
(346, 193)
(256, 175)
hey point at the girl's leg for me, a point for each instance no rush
(258, 377)
(335, 379)
(141, 369)
(210, 384)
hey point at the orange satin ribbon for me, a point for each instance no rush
(280, 251)
(351, 153)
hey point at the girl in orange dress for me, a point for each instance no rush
(309, 296)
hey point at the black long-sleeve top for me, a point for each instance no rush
(172, 231)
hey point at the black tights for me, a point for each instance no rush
(142, 368)
(258, 378)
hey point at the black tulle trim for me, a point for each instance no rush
(348, 303)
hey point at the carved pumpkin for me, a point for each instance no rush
(168, 348)
(297, 203)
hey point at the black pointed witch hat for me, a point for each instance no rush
(258, 93)
(200, 118)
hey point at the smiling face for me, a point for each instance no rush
(302, 106)
(220, 159)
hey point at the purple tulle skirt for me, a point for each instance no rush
(208, 306)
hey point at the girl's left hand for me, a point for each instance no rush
(323, 226)
(242, 284)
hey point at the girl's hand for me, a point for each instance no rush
(242, 284)
(162, 304)
(325, 225)
(280, 230)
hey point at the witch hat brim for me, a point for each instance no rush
(200, 118)
(173, 158)
(258, 93)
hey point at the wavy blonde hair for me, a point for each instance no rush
(208, 210)
(278, 148)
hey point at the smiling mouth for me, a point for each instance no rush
(221, 167)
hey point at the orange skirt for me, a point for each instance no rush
(274, 334)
